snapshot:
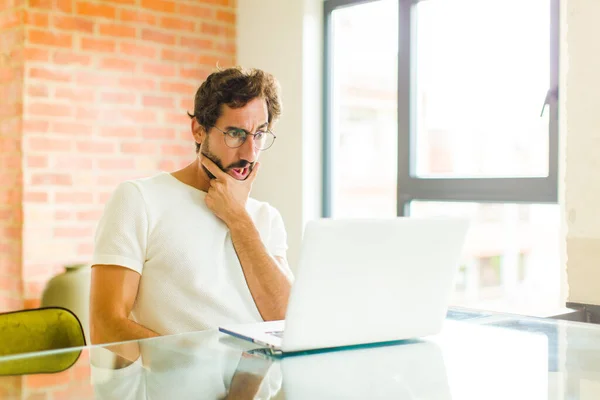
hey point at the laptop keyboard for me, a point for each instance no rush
(278, 334)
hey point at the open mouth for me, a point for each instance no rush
(240, 173)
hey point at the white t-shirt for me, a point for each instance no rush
(191, 277)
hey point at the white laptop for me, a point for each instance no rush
(365, 281)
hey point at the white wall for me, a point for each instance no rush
(580, 120)
(283, 37)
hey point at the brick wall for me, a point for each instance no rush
(106, 88)
(91, 93)
(11, 118)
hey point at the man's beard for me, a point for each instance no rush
(205, 151)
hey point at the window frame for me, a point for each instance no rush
(542, 190)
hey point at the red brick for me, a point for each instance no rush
(96, 10)
(227, 47)
(10, 284)
(118, 64)
(11, 110)
(134, 49)
(86, 113)
(178, 24)
(103, 45)
(95, 79)
(51, 179)
(181, 88)
(158, 101)
(159, 69)
(36, 54)
(117, 30)
(118, 131)
(180, 56)
(70, 23)
(91, 215)
(128, 116)
(159, 5)
(187, 103)
(37, 161)
(199, 74)
(141, 84)
(139, 148)
(39, 20)
(53, 5)
(177, 118)
(196, 43)
(115, 163)
(71, 162)
(10, 19)
(73, 232)
(70, 128)
(111, 180)
(29, 304)
(129, 2)
(10, 162)
(159, 133)
(64, 5)
(159, 37)
(211, 60)
(96, 147)
(49, 74)
(102, 198)
(46, 38)
(45, 4)
(74, 197)
(35, 197)
(226, 16)
(137, 16)
(45, 144)
(49, 110)
(75, 94)
(71, 58)
(176, 150)
(197, 12)
(63, 215)
(118, 98)
(37, 90)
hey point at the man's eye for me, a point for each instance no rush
(237, 134)
(259, 135)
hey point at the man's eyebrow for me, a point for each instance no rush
(242, 129)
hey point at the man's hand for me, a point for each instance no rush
(227, 196)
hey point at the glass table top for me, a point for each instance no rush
(477, 355)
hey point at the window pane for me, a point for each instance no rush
(482, 73)
(511, 256)
(364, 109)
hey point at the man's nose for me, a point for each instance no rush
(248, 149)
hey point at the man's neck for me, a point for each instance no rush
(194, 175)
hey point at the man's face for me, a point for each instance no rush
(237, 162)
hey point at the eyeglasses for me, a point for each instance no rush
(235, 138)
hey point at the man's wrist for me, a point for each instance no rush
(239, 221)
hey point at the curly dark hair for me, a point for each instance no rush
(235, 87)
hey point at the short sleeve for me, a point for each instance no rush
(122, 232)
(278, 238)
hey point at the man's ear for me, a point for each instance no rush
(198, 131)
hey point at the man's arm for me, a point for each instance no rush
(266, 279)
(268, 284)
(112, 293)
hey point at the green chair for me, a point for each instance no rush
(37, 330)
